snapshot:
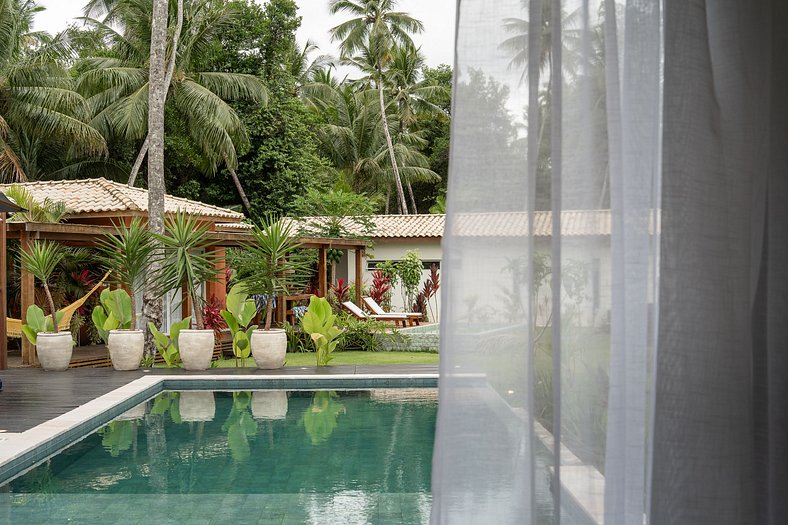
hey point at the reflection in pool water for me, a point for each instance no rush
(252, 457)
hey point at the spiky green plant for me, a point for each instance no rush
(41, 260)
(271, 265)
(188, 260)
(127, 253)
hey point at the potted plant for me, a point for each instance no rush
(53, 347)
(112, 317)
(127, 254)
(272, 267)
(188, 263)
(319, 322)
(240, 311)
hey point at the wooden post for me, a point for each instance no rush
(322, 268)
(3, 295)
(28, 298)
(218, 289)
(359, 274)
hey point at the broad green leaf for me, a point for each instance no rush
(111, 323)
(31, 334)
(229, 318)
(99, 317)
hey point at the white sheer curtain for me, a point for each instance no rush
(614, 300)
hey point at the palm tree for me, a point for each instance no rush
(37, 102)
(517, 45)
(117, 85)
(151, 300)
(304, 69)
(412, 94)
(352, 139)
(376, 29)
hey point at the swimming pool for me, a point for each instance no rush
(275, 456)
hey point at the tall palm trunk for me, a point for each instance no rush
(152, 305)
(397, 181)
(238, 186)
(412, 198)
(167, 81)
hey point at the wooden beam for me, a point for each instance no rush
(28, 296)
(3, 295)
(322, 272)
(359, 274)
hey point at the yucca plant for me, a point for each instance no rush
(128, 253)
(188, 260)
(41, 260)
(271, 265)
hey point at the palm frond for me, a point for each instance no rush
(234, 86)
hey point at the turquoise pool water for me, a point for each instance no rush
(282, 457)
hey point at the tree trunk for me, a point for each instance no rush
(157, 96)
(51, 306)
(238, 187)
(412, 199)
(135, 169)
(197, 310)
(397, 181)
(269, 310)
(388, 199)
(167, 81)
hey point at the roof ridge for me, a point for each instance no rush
(112, 189)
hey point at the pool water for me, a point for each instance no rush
(281, 457)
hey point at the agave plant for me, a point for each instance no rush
(188, 260)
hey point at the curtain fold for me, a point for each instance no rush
(614, 332)
(721, 401)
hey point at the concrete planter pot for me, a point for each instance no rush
(196, 347)
(197, 406)
(126, 348)
(54, 350)
(269, 348)
(269, 404)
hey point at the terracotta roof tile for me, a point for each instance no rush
(103, 196)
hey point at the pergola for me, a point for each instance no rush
(95, 219)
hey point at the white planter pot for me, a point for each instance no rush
(269, 404)
(269, 348)
(197, 406)
(54, 350)
(126, 348)
(196, 347)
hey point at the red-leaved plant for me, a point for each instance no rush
(423, 301)
(341, 290)
(212, 317)
(380, 291)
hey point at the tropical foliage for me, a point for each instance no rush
(246, 106)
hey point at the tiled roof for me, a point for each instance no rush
(574, 223)
(503, 224)
(103, 196)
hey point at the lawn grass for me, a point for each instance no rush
(348, 358)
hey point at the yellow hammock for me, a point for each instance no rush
(14, 326)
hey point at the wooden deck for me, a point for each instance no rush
(32, 396)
